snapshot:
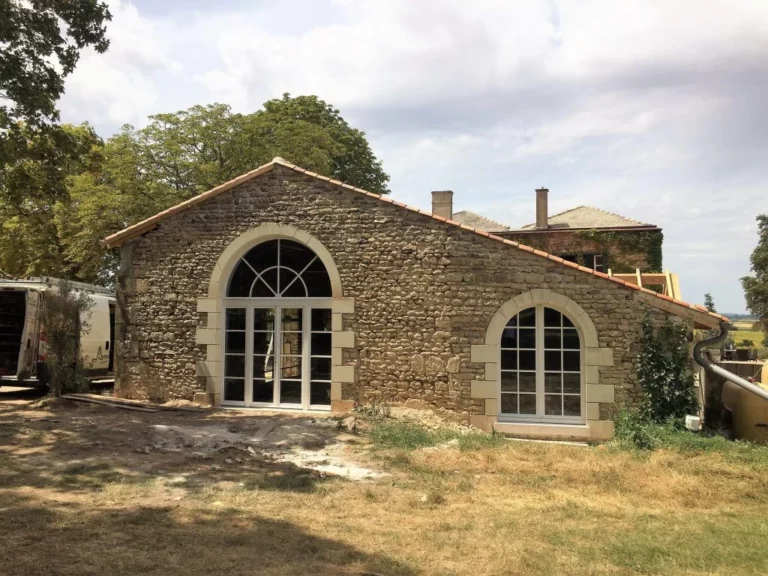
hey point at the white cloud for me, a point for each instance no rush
(653, 109)
(121, 85)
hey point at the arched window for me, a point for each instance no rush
(280, 269)
(541, 360)
(277, 329)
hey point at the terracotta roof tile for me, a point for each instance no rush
(148, 224)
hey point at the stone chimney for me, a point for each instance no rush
(542, 208)
(442, 203)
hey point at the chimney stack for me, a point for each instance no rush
(542, 208)
(442, 203)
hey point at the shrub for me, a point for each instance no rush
(64, 314)
(665, 372)
(631, 428)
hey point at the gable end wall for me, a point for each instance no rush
(424, 293)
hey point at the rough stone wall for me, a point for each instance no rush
(620, 256)
(424, 292)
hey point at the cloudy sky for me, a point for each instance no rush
(657, 110)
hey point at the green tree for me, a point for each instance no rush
(138, 173)
(756, 287)
(709, 302)
(41, 42)
(197, 149)
(179, 155)
(351, 159)
(30, 243)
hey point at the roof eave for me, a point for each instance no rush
(700, 317)
(649, 228)
(148, 224)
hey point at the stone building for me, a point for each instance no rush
(285, 289)
(586, 235)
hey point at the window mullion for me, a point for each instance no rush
(248, 384)
(539, 360)
(279, 291)
(305, 336)
(278, 362)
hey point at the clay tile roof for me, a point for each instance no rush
(589, 217)
(480, 222)
(701, 318)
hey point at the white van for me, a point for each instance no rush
(22, 337)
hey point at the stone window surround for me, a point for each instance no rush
(212, 305)
(594, 356)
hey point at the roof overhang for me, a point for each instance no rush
(699, 316)
(585, 229)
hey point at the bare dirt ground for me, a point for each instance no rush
(185, 446)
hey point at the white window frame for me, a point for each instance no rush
(249, 304)
(540, 417)
(279, 267)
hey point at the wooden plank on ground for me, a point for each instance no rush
(85, 398)
(141, 403)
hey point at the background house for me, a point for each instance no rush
(589, 236)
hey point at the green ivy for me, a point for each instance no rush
(614, 243)
(665, 372)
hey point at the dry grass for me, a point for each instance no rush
(494, 508)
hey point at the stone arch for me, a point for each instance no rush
(247, 240)
(210, 337)
(563, 304)
(594, 357)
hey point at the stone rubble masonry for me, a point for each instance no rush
(418, 294)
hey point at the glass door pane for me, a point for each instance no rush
(263, 357)
(291, 355)
(562, 366)
(320, 358)
(234, 356)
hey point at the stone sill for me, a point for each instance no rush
(539, 430)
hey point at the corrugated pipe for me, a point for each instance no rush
(702, 361)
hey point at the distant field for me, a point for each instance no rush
(743, 331)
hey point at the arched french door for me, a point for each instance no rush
(277, 329)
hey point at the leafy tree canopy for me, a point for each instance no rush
(756, 287)
(40, 44)
(709, 302)
(137, 173)
(30, 242)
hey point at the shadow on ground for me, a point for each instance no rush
(68, 539)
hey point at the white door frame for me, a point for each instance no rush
(277, 304)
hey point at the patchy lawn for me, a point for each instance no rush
(86, 489)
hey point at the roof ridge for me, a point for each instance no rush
(554, 215)
(617, 215)
(147, 224)
(501, 226)
(569, 210)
